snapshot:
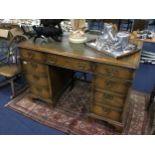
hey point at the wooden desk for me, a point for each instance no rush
(110, 86)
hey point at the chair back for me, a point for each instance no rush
(4, 55)
(9, 52)
(13, 51)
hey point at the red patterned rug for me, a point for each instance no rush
(69, 114)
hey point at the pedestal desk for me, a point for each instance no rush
(48, 69)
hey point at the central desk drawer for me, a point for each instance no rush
(109, 99)
(69, 63)
(37, 79)
(112, 84)
(32, 55)
(114, 71)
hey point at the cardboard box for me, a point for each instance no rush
(4, 33)
(10, 33)
(15, 31)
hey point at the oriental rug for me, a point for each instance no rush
(69, 116)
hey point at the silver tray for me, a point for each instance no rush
(112, 53)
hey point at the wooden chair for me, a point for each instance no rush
(12, 69)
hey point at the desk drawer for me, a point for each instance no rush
(32, 55)
(34, 68)
(111, 84)
(37, 80)
(41, 92)
(69, 63)
(113, 71)
(109, 99)
(106, 112)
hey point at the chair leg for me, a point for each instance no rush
(12, 88)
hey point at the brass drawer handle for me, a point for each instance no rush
(113, 72)
(34, 65)
(107, 96)
(30, 55)
(106, 110)
(52, 60)
(25, 62)
(81, 66)
(109, 84)
(43, 88)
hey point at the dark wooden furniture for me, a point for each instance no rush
(46, 68)
(140, 24)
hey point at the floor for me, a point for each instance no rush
(145, 75)
(16, 124)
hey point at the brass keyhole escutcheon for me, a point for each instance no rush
(108, 97)
(106, 110)
(109, 84)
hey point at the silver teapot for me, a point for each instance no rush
(122, 40)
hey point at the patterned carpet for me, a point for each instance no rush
(69, 115)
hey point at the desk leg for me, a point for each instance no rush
(72, 81)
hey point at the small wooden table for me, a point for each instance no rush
(134, 34)
(46, 68)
